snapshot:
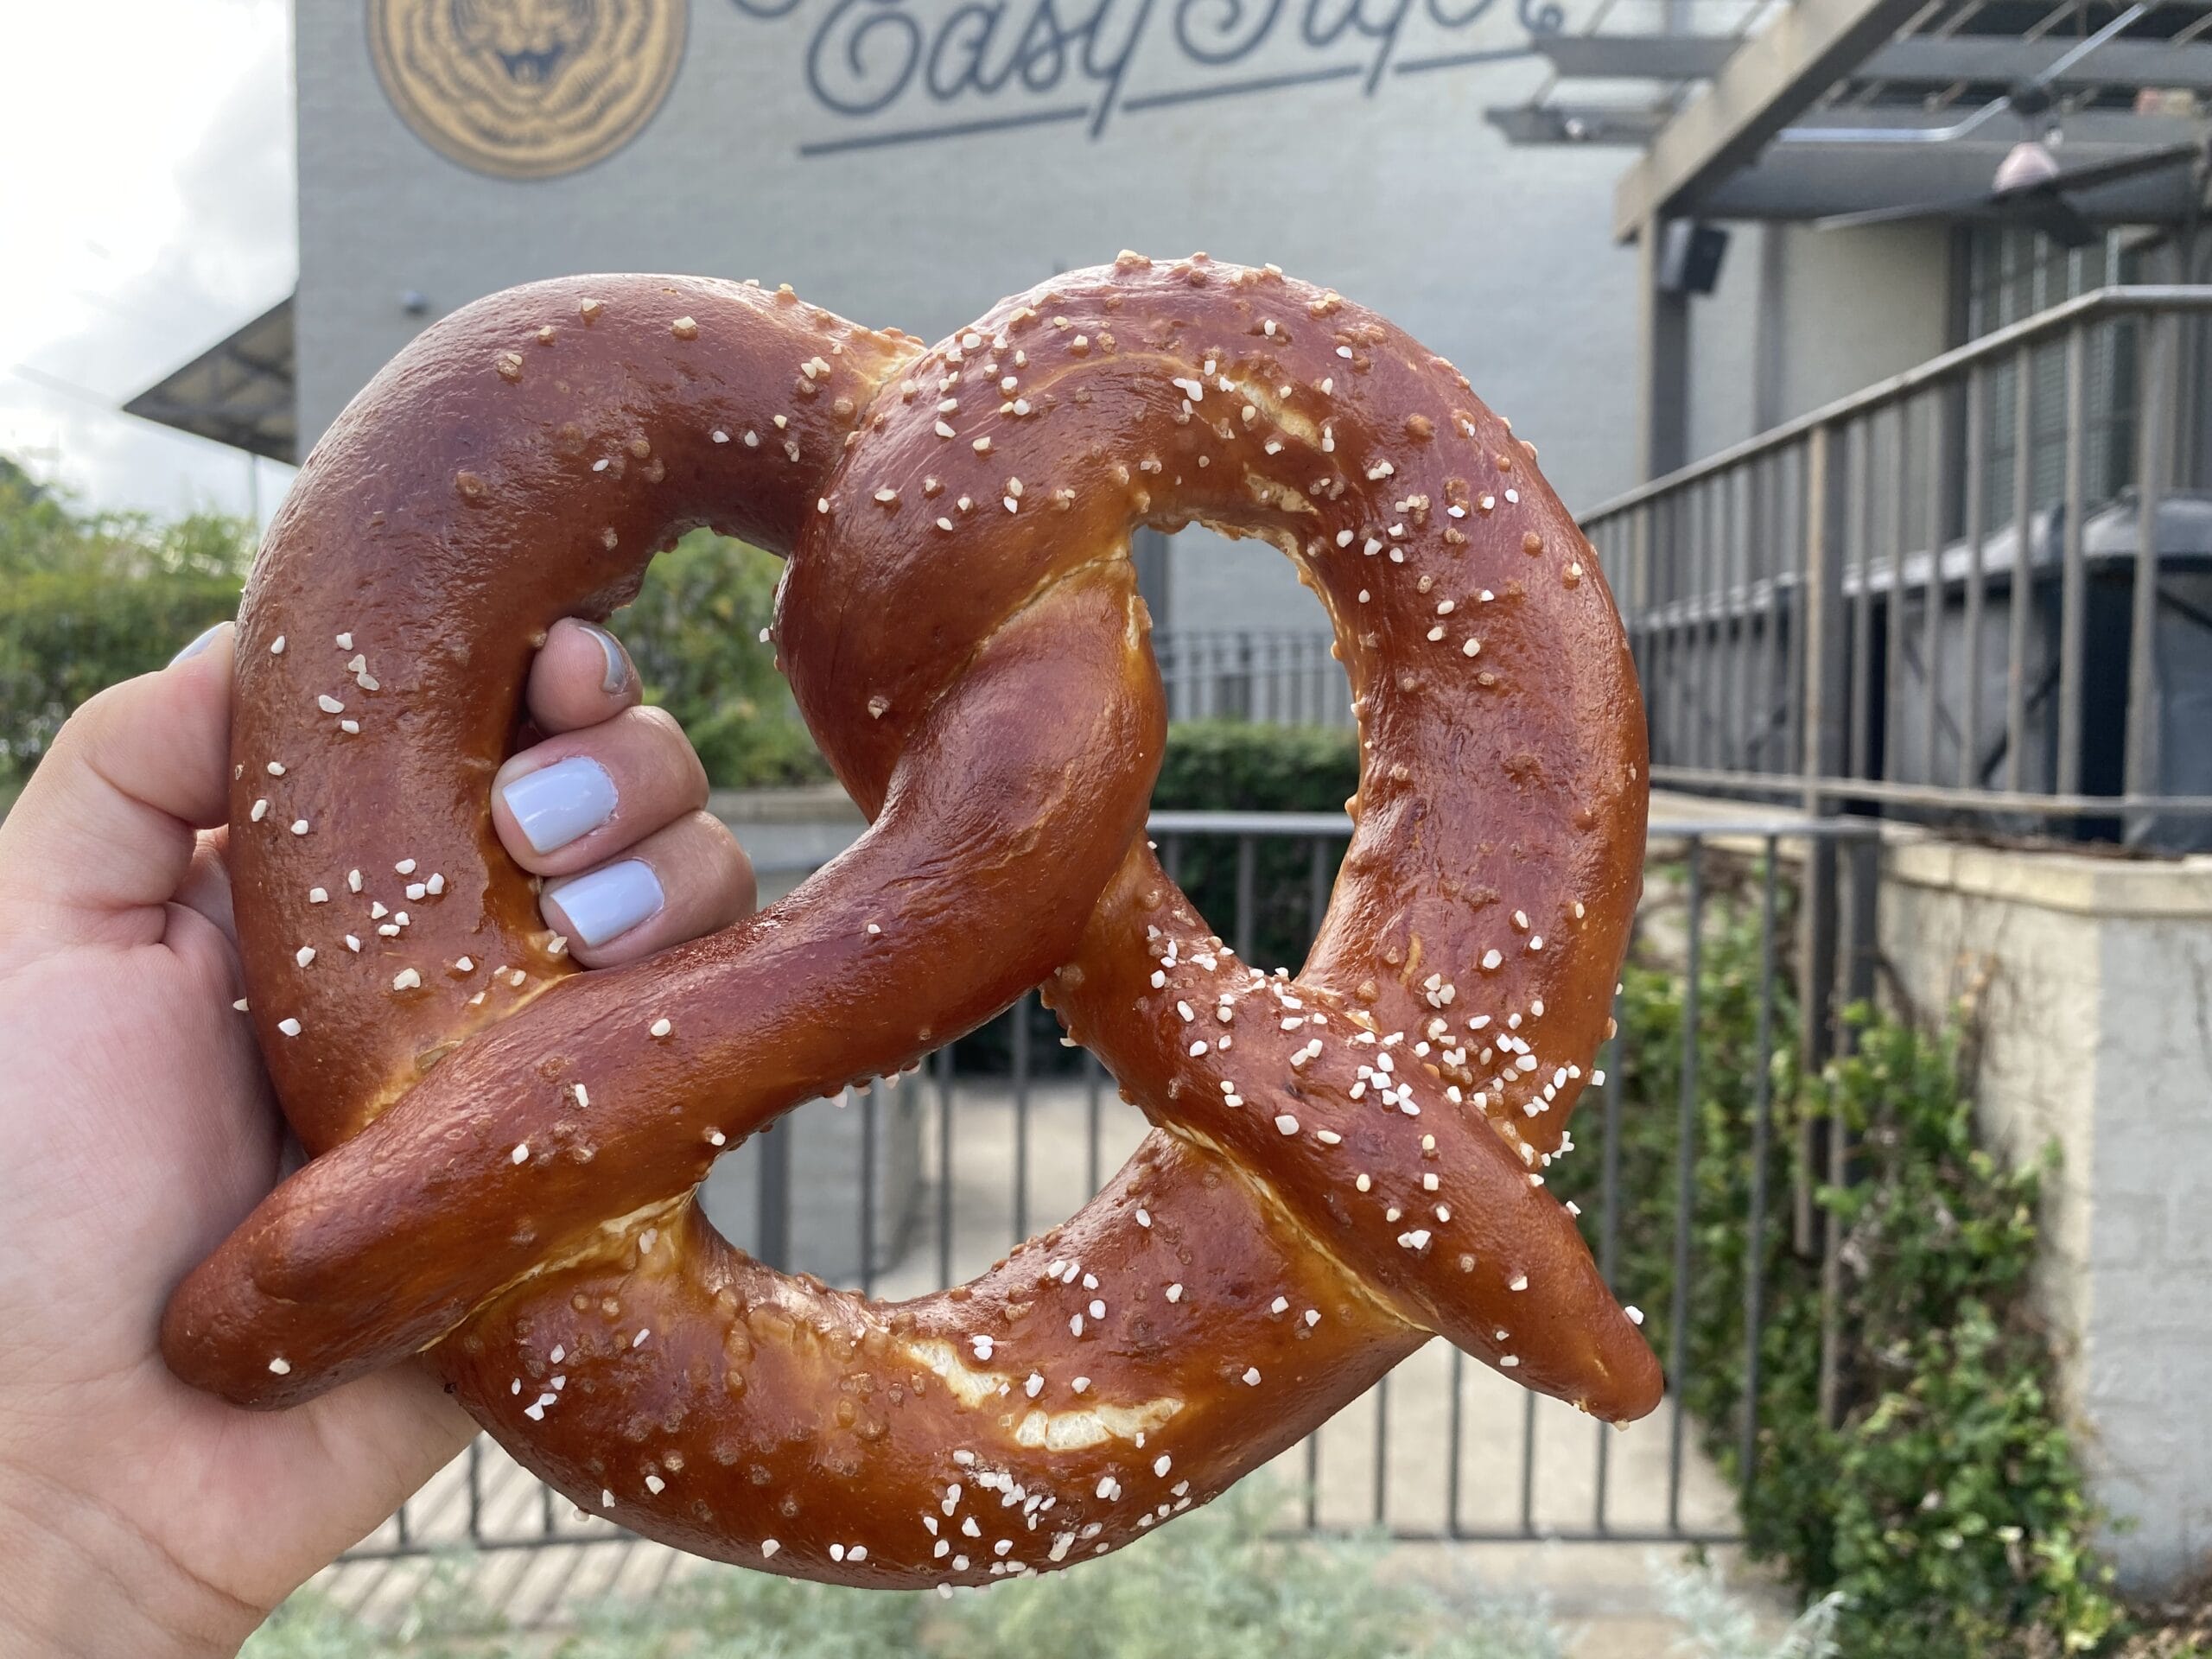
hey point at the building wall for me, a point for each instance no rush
(1802, 317)
(1404, 200)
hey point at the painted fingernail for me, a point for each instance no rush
(608, 903)
(557, 803)
(617, 677)
(197, 646)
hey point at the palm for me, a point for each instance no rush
(137, 1128)
(135, 1147)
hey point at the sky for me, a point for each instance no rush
(146, 212)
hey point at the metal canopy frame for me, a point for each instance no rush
(239, 392)
(1801, 112)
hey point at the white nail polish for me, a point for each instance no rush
(617, 677)
(197, 646)
(609, 902)
(557, 803)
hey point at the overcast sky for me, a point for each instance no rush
(146, 212)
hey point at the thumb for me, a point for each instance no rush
(103, 837)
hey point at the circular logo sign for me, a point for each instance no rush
(526, 89)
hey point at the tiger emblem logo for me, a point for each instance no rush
(526, 89)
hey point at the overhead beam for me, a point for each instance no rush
(1929, 61)
(1569, 124)
(1637, 57)
(1772, 79)
(1804, 182)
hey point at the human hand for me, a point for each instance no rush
(138, 1516)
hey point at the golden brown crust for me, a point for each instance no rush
(1341, 1164)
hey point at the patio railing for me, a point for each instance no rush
(1982, 587)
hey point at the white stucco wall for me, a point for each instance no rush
(1404, 200)
(1837, 309)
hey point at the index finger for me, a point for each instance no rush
(582, 677)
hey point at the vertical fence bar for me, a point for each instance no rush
(1934, 588)
(2157, 347)
(1793, 547)
(1827, 515)
(2073, 580)
(775, 1144)
(1317, 888)
(1893, 622)
(1094, 1078)
(1637, 582)
(1020, 1062)
(1726, 643)
(1456, 1439)
(1754, 1224)
(476, 1490)
(1858, 954)
(1313, 1479)
(1701, 665)
(1977, 509)
(1685, 1186)
(944, 1165)
(1528, 1464)
(2024, 570)
(1858, 719)
(1609, 1233)
(1383, 1449)
(868, 1190)
(1247, 866)
(1743, 533)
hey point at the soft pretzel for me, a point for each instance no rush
(505, 1153)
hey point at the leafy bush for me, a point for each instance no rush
(1225, 766)
(87, 600)
(694, 631)
(1947, 1509)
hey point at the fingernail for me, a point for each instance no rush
(557, 803)
(617, 677)
(608, 903)
(197, 646)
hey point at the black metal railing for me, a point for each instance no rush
(1281, 679)
(1982, 588)
(1007, 1131)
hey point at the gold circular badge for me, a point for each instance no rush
(526, 89)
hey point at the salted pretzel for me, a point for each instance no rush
(505, 1153)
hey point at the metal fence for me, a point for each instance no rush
(1281, 679)
(1008, 1131)
(1981, 586)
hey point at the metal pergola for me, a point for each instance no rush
(238, 392)
(1766, 109)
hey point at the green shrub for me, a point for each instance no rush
(1227, 765)
(694, 631)
(1947, 1509)
(87, 600)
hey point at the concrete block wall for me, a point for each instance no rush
(2094, 978)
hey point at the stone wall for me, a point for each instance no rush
(2094, 981)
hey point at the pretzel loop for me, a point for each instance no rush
(507, 1154)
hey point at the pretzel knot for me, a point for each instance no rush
(505, 1153)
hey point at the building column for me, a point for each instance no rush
(1663, 378)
